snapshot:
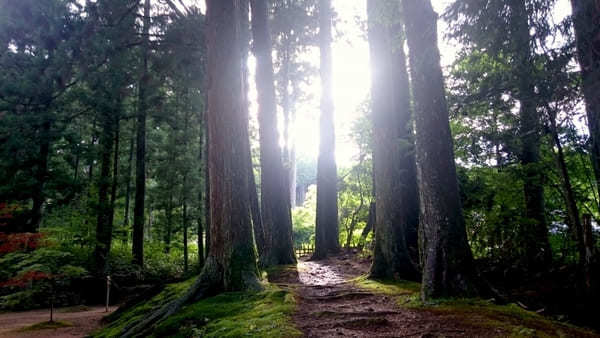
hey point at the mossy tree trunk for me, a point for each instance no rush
(327, 227)
(397, 216)
(275, 203)
(446, 257)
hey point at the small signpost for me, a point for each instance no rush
(107, 291)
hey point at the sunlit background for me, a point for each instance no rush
(351, 77)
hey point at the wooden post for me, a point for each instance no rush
(107, 291)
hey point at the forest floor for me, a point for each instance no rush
(77, 321)
(335, 299)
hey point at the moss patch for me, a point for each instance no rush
(260, 314)
(46, 326)
(256, 314)
(475, 312)
(139, 311)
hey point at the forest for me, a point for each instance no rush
(299, 168)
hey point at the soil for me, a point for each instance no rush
(331, 305)
(84, 320)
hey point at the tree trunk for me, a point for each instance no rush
(200, 228)
(103, 224)
(535, 234)
(185, 234)
(586, 20)
(128, 184)
(327, 228)
(231, 263)
(369, 227)
(169, 219)
(140, 160)
(572, 209)
(41, 175)
(275, 204)
(115, 171)
(257, 223)
(396, 246)
(446, 258)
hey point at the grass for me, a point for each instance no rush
(511, 319)
(57, 324)
(234, 314)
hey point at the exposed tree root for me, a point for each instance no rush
(208, 283)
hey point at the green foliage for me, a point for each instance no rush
(303, 218)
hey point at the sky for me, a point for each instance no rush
(351, 78)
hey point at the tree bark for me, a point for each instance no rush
(535, 235)
(103, 222)
(327, 227)
(397, 216)
(128, 184)
(572, 209)
(115, 169)
(275, 203)
(445, 254)
(232, 257)
(586, 20)
(140, 175)
(41, 174)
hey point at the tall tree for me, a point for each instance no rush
(397, 214)
(327, 228)
(537, 247)
(140, 158)
(446, 257)
(586, 19)
(275, 203)
(231, 264)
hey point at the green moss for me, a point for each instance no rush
(46, 326)
(512, 319)
(254, 314)
(171, 292)
(257, 314)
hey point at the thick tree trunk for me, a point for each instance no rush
(586, 20)
(201, 204)
(537, 246)
(275, 204)
(445, 254)
(103, 223)
(257, 222)
(327, 227)
(396, 246)
(140, 170)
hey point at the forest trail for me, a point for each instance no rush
(331, 304)
(83, 320)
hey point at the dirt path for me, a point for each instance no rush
(330, 305)
(84, 320)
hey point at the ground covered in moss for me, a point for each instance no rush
(333, 298)
(259, 314)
